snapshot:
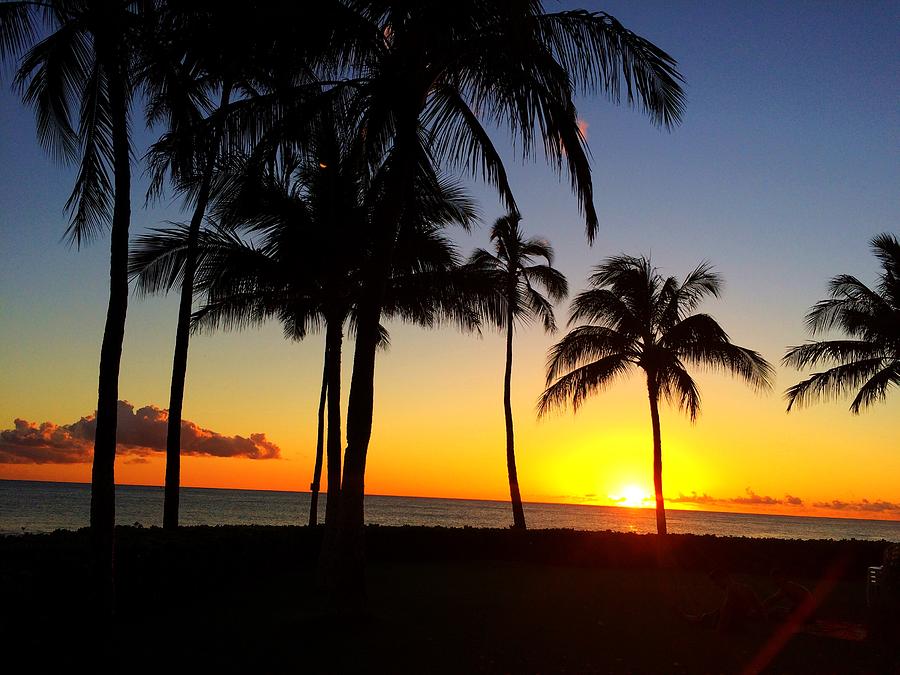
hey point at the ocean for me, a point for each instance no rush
(31, 506)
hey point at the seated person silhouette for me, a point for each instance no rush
(740, 604)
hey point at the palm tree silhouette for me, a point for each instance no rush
(203, 51)
(306, 218)
(196, 53)
(427, 78)
(514, 277)
(868, 359)
(80, 80)
(639, 319)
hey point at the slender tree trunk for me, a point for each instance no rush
(343, 558)
(320, 446)
(182, 338)
(103, 499)
(334, 336)
(344, 533)
(515, 496)
(653, 393)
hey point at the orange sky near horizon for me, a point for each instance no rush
(439, 431)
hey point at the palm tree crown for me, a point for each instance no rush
(868, 358)
(640, 319)
(515, 277)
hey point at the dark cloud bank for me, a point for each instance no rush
(750, 498)
(141, 432)
(863, 506)
(878, 506)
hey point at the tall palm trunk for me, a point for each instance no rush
(653, 394)
(103, 498)
(515, 497)
(344, 565)
(334, 338)
(343, 558)
(320, 444)
(182, 337)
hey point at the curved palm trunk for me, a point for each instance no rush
(334, 338)
(653, 394)
(515, 497)
(103, 498)
(182, 340)
(320, 443)
(343, 562)
(343, 559)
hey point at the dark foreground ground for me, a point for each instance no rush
(238, 599)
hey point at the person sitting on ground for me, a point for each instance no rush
(789, 597)
(739, 605)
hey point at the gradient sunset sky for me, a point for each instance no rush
(784, 168)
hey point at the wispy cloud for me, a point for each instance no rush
(140, 432)
(877, 506)
(692, 498)
(749, 498)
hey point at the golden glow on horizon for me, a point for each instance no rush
(439, 431)
(631, 496)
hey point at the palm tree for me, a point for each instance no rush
(80, 81)
(306, 217)
(868, 358)
(514, 277)
(201, 51)
(429, 79)
(302, 203)
(637, 318)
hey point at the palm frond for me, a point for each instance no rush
(601, 54)
(91, 199)
(156, 260)
(850, 306)
(876, 388)
(832, 383)
(685, 297)
(552, 280)
(18, 29)
(679, 388)
(867, 358)
(839, 351)
(51, 79)
(586, 344)
(577, 385)
(463, 141)
(700, 340)
(539, 307)
(603, 306)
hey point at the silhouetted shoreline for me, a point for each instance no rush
(441, 600)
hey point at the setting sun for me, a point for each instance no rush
(631, 496)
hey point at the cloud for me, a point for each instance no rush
(692, 498)
(583, 127)
(29, 443)
(750, 498)
(140, 433)
(753, 498)
(878, 506)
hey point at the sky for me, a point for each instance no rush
(785, 166)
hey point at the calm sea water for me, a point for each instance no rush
(27, 506)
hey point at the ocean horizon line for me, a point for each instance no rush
(480, 499)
